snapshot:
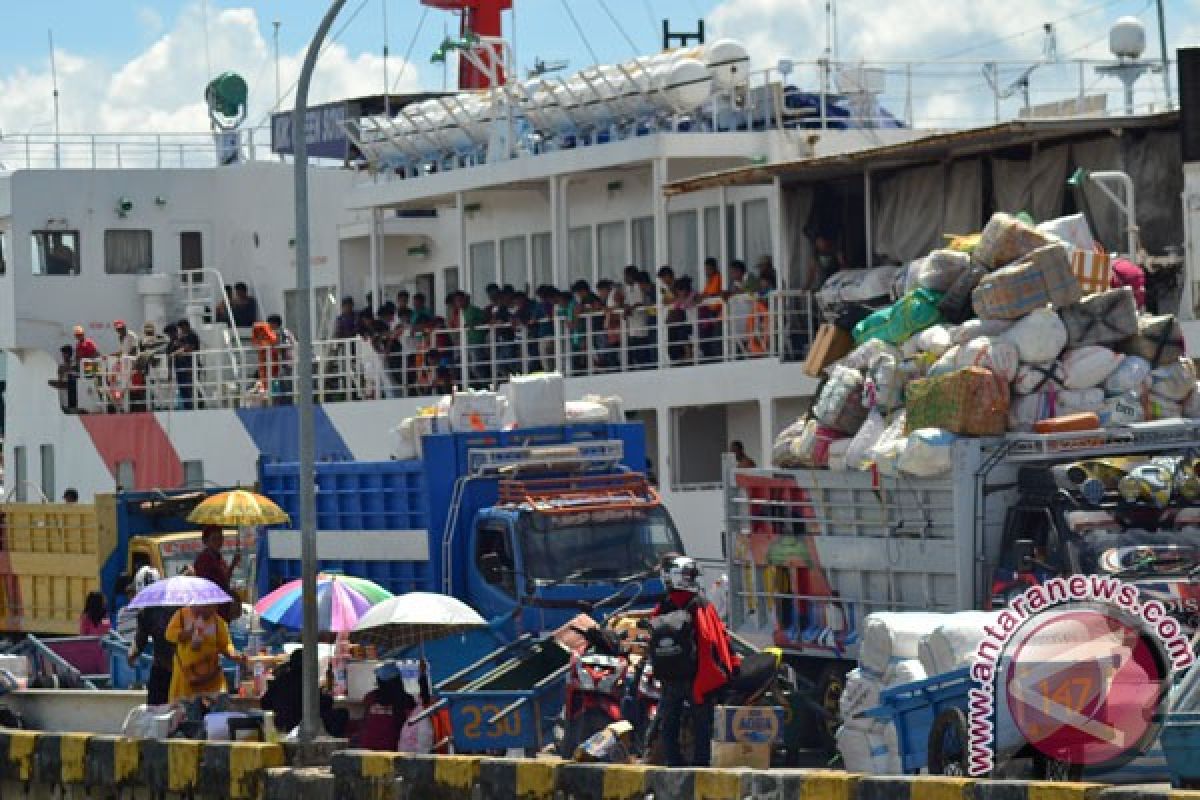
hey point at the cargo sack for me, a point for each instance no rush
(998, 355)
(937, 271)
(839, 404)
(928, 453)
(673, 645)
(1159, 340)
(890, 446)
(1006, 239)
(855, 286)
(935, 340)
(1130, 375)
(1105, 318)
(970, 402)
(912, 313)
(1037, 378)
(883, 387)
(956, 303)
(1090, 366)
(974, 328)
(781, 451)
(1072, 229)
(1174, 381)
(1040, 337)
(1012, 292)
(862, 356)
(858, 456)
(811, 447)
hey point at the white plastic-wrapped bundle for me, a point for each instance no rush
(1028, 409)
(1072, 229)
(890, 446)
(927, 453)
(1085, 367)
(858, 452)
(863, 752)
(935, 340)
(1035, 378)
(906, 671)
(951, 644)
(994, 353)
(404, 443)
(1131, 374)
(1174, 381)
(536, 400)
(974, 328)
(1039, 336)
(1122, 409)
(837, 454)
(585, 411)
(862, 356)
(476, 411)
(892, 636)
(860, 693)
(614, 403)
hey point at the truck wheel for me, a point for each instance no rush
(1046, 768)
(830, 685)
(948, 750)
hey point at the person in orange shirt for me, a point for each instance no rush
(709, 312)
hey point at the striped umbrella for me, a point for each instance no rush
(341, 602)
(238, 507)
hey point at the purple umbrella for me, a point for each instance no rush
(182, 590)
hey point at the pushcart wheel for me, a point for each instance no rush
(1046, 768)
(948, 743)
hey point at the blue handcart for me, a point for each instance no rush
(920, 708)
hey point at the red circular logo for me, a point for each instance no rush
(1084, 685)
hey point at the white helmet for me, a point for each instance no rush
(682, 574)
(144, 577)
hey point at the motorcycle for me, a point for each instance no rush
(596, 683)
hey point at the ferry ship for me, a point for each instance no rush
(664, 160)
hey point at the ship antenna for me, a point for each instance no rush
(387, 90)
(54, 83)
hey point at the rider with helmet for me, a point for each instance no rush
(693, 671)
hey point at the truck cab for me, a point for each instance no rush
(172, 553)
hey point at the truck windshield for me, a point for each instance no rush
(596, 545)
(1134, 552)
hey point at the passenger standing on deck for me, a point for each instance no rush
(152, 627)
(210, 564)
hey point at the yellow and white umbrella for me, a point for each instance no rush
(238, 508)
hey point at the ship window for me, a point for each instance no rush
(127, 252)
(48, 470)
(682, 243)
(193, 473)
(512, 262)
(483, 266)
(125, 475)
(643, 244)
(579, 254)
(698, 436)
(191, 250)
(543, 260)
(449, 284)
(20, 476)
(56, 252)
(611, 240)
(756, 229)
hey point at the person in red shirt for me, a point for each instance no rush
(387, 706)
(84, 346)
(210, 564)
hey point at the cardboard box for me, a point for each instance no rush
(830, 344)
(748, 724)
(738, 754)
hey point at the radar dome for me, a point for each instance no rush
(1127, 38)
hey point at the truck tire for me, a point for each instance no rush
(948, 748)
(1046, 768)
(830, 684)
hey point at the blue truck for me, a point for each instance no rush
(526, 526)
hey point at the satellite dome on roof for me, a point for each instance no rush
(1127, 38)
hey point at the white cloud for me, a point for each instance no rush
(161, 89)
(150, 21)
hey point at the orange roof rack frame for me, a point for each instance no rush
(573, 494)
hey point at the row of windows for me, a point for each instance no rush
(193, 475)
(126, 252)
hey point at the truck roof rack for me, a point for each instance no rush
(1169, 434)
(570, 457)
(571, 494)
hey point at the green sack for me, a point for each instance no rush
(909, 315)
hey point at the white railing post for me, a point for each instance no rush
(464, 354)
(660, 324)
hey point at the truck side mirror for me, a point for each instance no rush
(1023, 552)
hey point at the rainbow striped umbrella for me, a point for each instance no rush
(341, 601)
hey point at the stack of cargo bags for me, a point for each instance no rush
(899, 648)
(1013, 329)
(526, 401)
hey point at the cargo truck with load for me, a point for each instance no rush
(527, 526)
(812, 552)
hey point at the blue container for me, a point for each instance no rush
(1181, 744)
(121, 675)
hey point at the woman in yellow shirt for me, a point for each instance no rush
(200, 637)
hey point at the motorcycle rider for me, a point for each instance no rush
(713, 668)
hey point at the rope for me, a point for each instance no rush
(620, 28)
(579, 30)
(412, 43)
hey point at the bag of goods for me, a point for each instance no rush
(839, 405)
(1105, 318)
(998, 355)
(858, 452)
(1083, 421)
(906, 671)
(946, 364)
(937, 271)
(837, 454)
(914, 312)
(830, 344)
(1159, 340)
(885, 382)
(852, 286)
(811, 448)
(860, 693)
(956, 303)
(952, 644)
(1122, 409)
(1085, 367)
(1174, 381)
(1035, 378)
(476, 411)
(1039, 336)
(537, 400)
(1044, 278)
(1031, 408)
(928, 453)
(866, 751)
(865, 354)
(890, 446)
(1191, 408)
(935, 340)
(1092, 269)
(1162, 408)
(1130, 375)
(1127, 273)
(404, 443)
(889, 637)
(1006, 239)
(584, 411)
(781, 450)
(1072, 229)
(974, 328)
(970, 402)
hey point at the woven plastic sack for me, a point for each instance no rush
(1122, 409)
(1085, 367)
(998, 355)
(839, 405)
(855, 286)
(1038, 378)
(883, 387)
(1039, 337)
(935, 340)
(974, 328)
(781, 451)
(1006, 239)
(1131, 374)
(890, 445)
(956, 303)
(1159, 340)
(837, 454)
(1031, 408)
(858, 456)
(929, 452)
(970, 402)
(811, 448)
(914, 312)
(862, 356)
(1174, 381)
(1044, 278)
(937, 271)
(1105, 318)
(1072, 229)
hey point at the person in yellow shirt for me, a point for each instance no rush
(200, 637)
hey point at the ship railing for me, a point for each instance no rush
(715, 330)
(45, 150)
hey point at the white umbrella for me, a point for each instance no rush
(415, 617)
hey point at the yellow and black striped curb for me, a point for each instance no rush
(18, 755)
(517, 778)
(364, 775)
(300, 783)
(112, 761)
(61, 759)
(604, 781)
(915, 787)
(170, 765)
(242, 766)
(438, 777)
(1037, 790)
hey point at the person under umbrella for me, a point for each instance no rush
(285, 697)
(211, 565)
(152, 625)
(200, 637)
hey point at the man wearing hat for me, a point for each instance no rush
(127, 343)
(84, 346)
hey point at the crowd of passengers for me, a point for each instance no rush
(605, 327)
